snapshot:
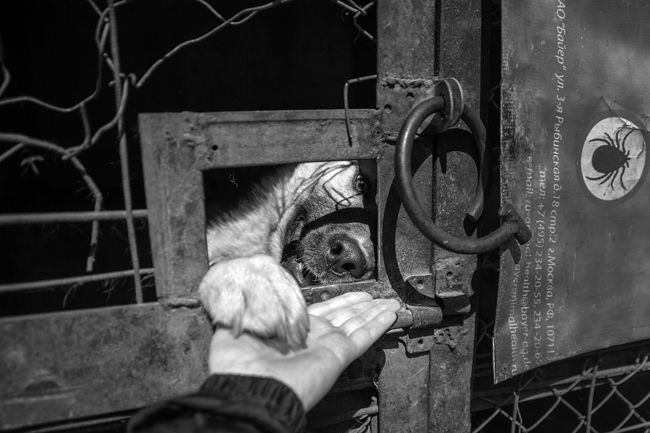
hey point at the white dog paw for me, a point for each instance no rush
(256, 295)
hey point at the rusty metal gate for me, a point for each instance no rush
(92, 366)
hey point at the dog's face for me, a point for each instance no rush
(311, 221)
(329, 239)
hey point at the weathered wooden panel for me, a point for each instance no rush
(176, 148)
(575, 104)
(81, 363)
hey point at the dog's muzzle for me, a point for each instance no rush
(335, 248)
(345, 256)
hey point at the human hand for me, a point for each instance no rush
(341, 330)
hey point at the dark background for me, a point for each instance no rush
(296, 56)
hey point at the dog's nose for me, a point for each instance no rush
(346, 256)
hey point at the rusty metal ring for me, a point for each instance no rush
(513, 224)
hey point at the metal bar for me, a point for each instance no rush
(590, 401)
(515, 411)
(68, 217)
(457, 55)
(124, 153)
(346, 105)
(404, 68)
(45, 284)
(403, 384)
(322, 293)
(90, 183)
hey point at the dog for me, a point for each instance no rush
(305, 224)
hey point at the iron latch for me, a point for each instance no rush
(449, 107)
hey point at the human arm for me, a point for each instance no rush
(255, 388)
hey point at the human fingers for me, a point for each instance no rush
(347, 299)
(355, 335)
(347, 319)
(368, 318)
(376, 324)
(340, 315)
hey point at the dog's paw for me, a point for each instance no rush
(256, 295)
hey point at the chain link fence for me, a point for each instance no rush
(607, 391)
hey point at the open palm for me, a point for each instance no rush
(341, 330)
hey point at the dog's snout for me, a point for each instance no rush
(345, 256)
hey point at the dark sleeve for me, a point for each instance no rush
(226, 403)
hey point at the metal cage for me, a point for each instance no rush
(88, 349)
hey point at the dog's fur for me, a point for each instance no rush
(305, 224)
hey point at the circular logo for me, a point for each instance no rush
(613, 158)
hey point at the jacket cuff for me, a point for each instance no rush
(265, 403)
(263, 400)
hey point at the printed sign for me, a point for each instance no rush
(575, 106)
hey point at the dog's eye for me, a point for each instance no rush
(360, 184)
(300, 216)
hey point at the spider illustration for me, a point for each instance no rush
(611, 158)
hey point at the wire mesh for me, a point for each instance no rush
(608, 391)
(106, 120)
(113, 131)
